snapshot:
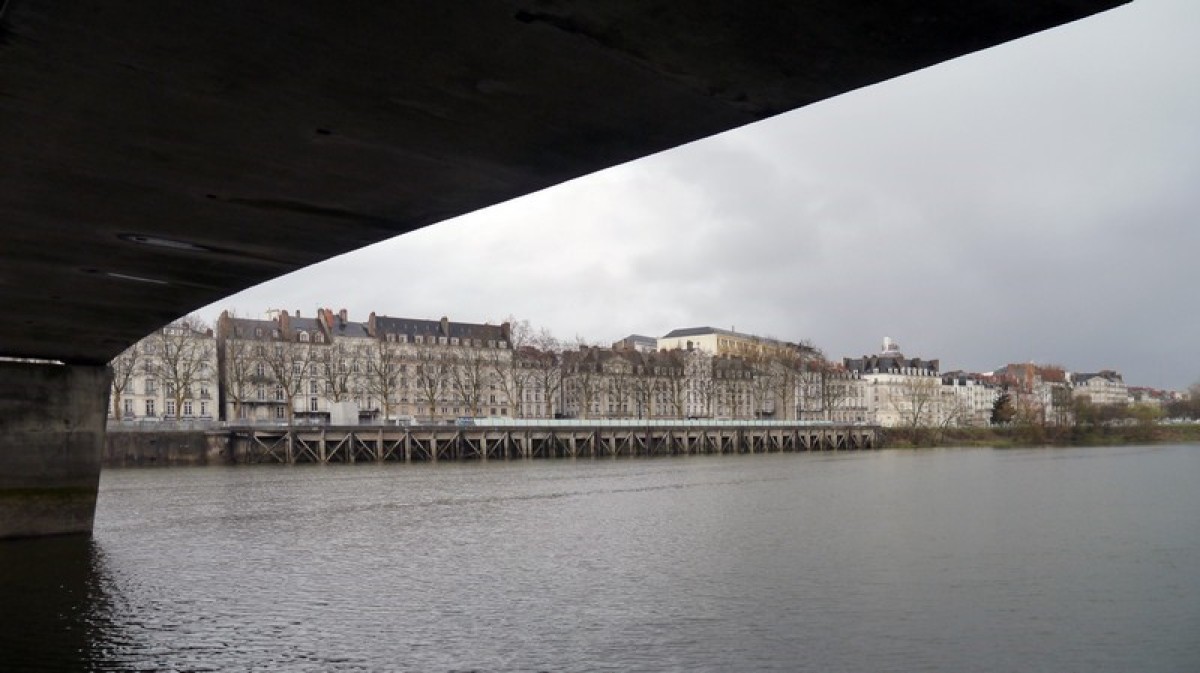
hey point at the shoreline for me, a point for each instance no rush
(1034, 436)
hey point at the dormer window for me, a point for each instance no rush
(304, 337)
(453, 341)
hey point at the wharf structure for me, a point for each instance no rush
(501, 439)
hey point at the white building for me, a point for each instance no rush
(899, 391)
(1105, 387)
(169, 375)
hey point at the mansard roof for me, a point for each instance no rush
(1106, 374)
(244, 328)
(347, 329)
(437, 328)
(884, 363)
(703, 331)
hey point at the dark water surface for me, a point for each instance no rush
(952, 560)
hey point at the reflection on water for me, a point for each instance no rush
(52, 604)
(940, 560)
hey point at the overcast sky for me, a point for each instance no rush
(1033, 202)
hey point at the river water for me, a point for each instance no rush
(940, 560)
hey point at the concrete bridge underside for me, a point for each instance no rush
(158, 156)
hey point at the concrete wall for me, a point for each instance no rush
(124, 449)
(51, 437)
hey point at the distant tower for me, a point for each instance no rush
(890, 347)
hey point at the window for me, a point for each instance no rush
(204, 393)
(204, 408)
(151, 387)
(170, 407)
(128, 407)
(303, 336)
(319, 338)
(262, 393)
(149, 407)
(312, 404)
(453, 341)
(187, 408)
(279, 413)
(279, 392)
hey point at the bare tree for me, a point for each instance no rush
(510, 370)
(732, 379)
(762, 369)
(701, 381)
(956, 412)
(381, 362)
(787, 367)
(546, 360)
(671, 379)
(183, 352)
(617, 376)
(289, 364)
(123, 367)
(336, 370)
(826, 387)
(915, 400)
(468, 373)
(583, 378)
(243, 370)
(430, 377)
(239, 363)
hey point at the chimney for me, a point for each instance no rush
(445, 326)
(343, 316)
(297, 313)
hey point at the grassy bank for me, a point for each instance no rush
(1034, 435)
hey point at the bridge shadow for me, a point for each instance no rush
(54, 604)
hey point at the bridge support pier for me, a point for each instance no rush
(52, 421)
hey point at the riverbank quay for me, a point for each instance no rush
(179, 446)
(498, 441)
(1020, 436)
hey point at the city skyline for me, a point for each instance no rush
(1032, 202)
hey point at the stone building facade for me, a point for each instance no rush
(170, 375)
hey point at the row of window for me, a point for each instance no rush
(151, 407)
